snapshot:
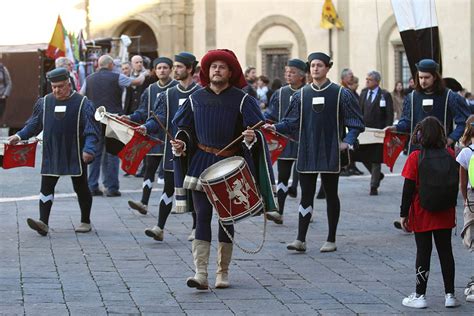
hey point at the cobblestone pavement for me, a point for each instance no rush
(117, 269)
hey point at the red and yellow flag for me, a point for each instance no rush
(57, 45)
(329, 17)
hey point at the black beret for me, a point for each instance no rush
(186, 58)
(160, 60)
(320, 56)
(297, 63)
(427, 65)
(58, 74)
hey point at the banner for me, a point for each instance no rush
(393, 145)
(418, 27)
(20, 155)
(133, 153)
(276, 143)
(57, 44)
(329, 17)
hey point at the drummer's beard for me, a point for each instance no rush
(219, 80)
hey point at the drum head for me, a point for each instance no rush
(222, 168)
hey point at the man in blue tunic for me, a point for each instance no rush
(432, 98)
(213, 117)
(321, 112)
(295, 75)
(166, 105)
(70, 134)
(163, 67)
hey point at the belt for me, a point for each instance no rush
(226, 153)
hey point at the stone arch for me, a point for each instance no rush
(382, 46)
(267, 22)
(139, 25)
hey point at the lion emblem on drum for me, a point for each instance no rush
(239, 193)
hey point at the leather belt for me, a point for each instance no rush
(226, 153)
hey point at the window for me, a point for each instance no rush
(274, 61)
(402, 68)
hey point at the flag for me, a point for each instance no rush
(393, 145)
(82, 46)
(57, 45)
(133, 153)
(69, 48)
(20, 155)
(329, 17)
(276, 144)
(418, 27)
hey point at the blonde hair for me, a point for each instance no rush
(468, 132)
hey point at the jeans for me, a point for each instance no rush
(110, 169)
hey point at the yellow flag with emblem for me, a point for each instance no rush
(329, 17)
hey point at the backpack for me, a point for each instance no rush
(470, 169)
(438, 180)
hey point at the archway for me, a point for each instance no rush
(146, 44)
(264, 24)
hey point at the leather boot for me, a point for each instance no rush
(201, 250)
(224, 255)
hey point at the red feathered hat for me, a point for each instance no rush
(227, 56)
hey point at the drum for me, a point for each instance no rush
(231, 189)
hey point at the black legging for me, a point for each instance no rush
(152, 163)
(84, 197)
(424, 245)
(166, 201)
(284, 173)
(203, 209)
(308, 189)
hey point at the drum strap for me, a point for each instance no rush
(226, 153)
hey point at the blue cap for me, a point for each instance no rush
(58, 74)
(427, 65)
(297, 63)
(186, 58)
(160, 60)
(320, 56)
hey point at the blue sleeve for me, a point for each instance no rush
(91, 128)
(460, 112)
(159, 107)
(404, 124)
(184, 117)
(34, 125)
(251, 113)
(273, 107)
(290, 124)
(124, 81)
(352, 117)
(140, 115)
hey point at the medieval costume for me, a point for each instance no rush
(153, 158)
(207, 122)
(321, 115)
(69, 129)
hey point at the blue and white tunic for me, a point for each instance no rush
(166, 106)
(321, 115)
(278, 107)
(148, 103)
(69, 128)
(446, 107)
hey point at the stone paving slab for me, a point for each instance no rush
(116, 269)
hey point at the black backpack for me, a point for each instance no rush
(439, 179)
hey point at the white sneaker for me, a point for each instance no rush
(156, 233)
(328, 247)
(192, 236)
(415, 301)
(276, 217)
(450, 300)
(297, 245)
(469, 292)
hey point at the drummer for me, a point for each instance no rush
(166, 106)
(206, 116)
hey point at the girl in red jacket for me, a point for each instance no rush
(426, 225)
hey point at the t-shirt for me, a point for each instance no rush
(420, 219)
(464, 157)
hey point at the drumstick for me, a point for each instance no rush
(259, 124)
(162, 126)
(282, 135)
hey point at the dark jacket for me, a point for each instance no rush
(374, 115)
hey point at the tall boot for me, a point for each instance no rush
(224, 255)
(201, 250)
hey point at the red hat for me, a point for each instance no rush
(227, 56)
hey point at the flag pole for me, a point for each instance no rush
(330, 42)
